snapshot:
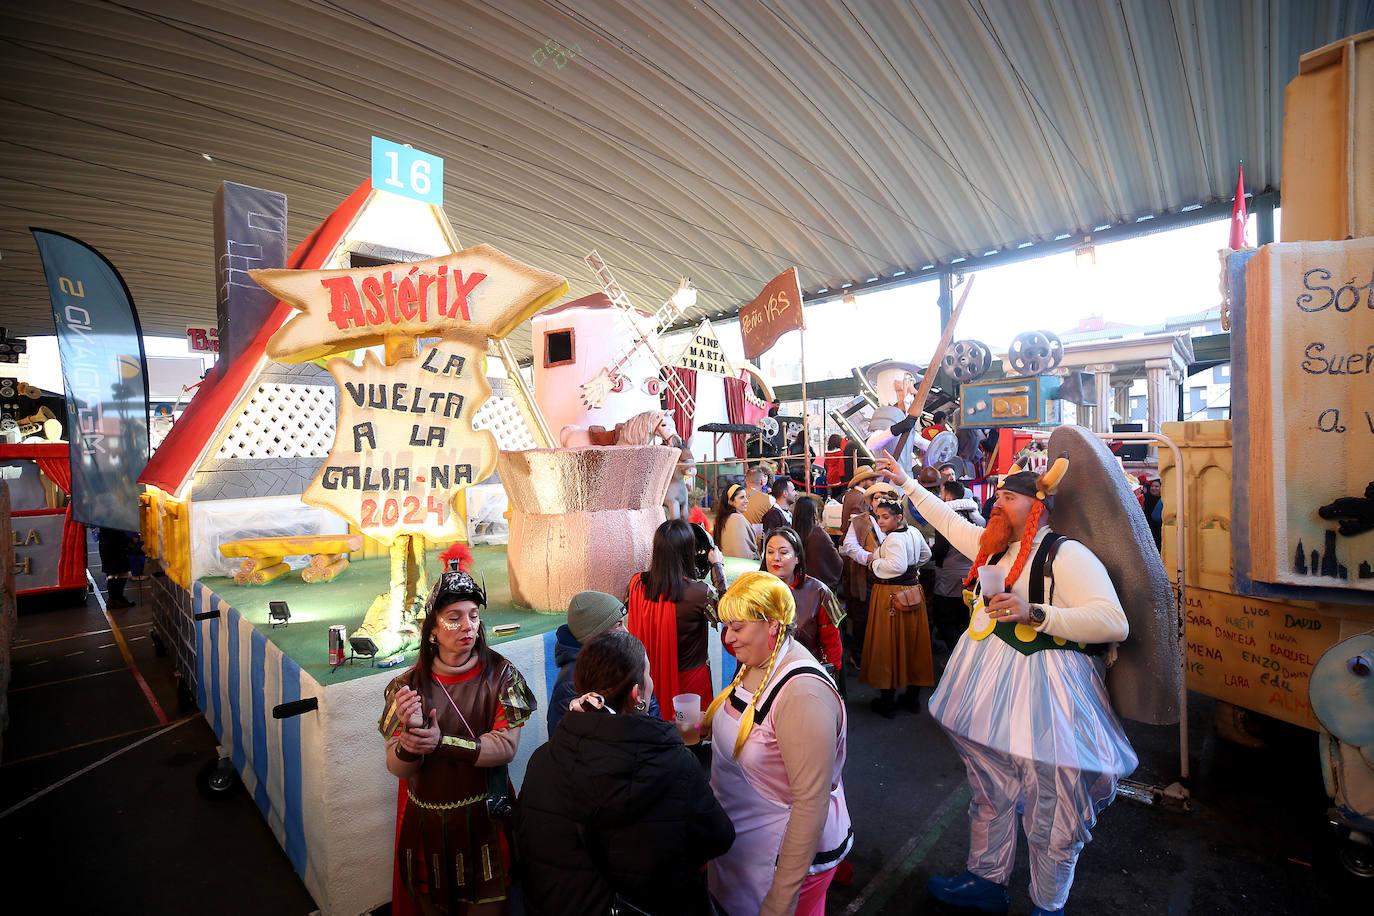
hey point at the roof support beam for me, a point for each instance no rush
(1263, 203)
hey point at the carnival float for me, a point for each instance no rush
(367, 398)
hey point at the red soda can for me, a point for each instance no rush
(337, 637)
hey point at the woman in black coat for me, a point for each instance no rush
(614, 807)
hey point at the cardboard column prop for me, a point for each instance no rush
(250, 234)
(404, 446)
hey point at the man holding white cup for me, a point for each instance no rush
(1027, 709)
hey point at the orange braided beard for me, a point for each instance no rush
(997, 537)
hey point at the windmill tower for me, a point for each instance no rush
(644, 341)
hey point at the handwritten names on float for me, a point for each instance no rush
(404, 445)
(1310, 346)
(1255, 654)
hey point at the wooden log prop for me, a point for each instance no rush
(324, 567)
(292, 545)
(260, 570)
(918, 405)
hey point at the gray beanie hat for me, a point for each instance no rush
(593, 613)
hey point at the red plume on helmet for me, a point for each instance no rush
(460, 552)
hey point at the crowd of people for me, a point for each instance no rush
(735, 803)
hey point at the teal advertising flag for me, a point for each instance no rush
(105, 376)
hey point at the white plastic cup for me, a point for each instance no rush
(687, 713)
(992, 580)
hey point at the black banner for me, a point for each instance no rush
(105, 376)
(250, 234)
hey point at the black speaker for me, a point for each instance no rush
(1131, 451)
(9, 404)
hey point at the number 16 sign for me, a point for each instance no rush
(408, 172)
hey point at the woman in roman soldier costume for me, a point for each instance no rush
(452, 723)
(818, 613)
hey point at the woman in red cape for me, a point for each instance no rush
(669, 611)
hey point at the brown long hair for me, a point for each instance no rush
(804, 513)
(723, 510)
(611, 664)
(450, 589)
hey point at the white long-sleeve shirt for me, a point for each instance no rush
(851, 547)
(898, 551)
(1086, 607)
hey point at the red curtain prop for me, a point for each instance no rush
(71, 565)
(71, 568)
(683, 414)
(59, 471)
(734, 412)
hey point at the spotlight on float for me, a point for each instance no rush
(685, 297)
(363, 647)
(279, 613)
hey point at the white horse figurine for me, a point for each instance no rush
(641, 429)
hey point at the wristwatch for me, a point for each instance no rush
(1037, 615)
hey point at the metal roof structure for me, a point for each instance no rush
(861, 142)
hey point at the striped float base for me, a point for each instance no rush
(319, 778)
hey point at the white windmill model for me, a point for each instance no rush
(645, 341)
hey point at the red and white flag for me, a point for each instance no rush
(1238, 215)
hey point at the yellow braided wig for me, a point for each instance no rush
(755, 597)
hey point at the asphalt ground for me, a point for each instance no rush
(99, 805)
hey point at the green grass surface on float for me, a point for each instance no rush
(315, 608)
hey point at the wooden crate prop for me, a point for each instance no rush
(1255, 653)
(1328, 143)
(1309, 340)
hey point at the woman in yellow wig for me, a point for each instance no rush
(778, 734)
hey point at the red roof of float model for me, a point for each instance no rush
(182, 451)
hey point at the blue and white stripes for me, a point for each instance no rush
(320, 778)
(241, 676)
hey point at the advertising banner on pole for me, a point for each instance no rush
(104, 372)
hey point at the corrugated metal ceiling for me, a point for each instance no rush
(721, 140)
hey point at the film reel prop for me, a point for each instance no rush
(944, 448)
(1035, 353)
(967, 360)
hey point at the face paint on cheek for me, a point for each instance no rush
(452, 625)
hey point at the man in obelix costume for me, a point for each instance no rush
(1023, 698)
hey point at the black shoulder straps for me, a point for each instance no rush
(761, 710)
(1042, 566)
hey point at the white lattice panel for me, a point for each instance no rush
(502, 416)
(283, 421)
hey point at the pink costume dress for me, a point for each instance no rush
(755, 792)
